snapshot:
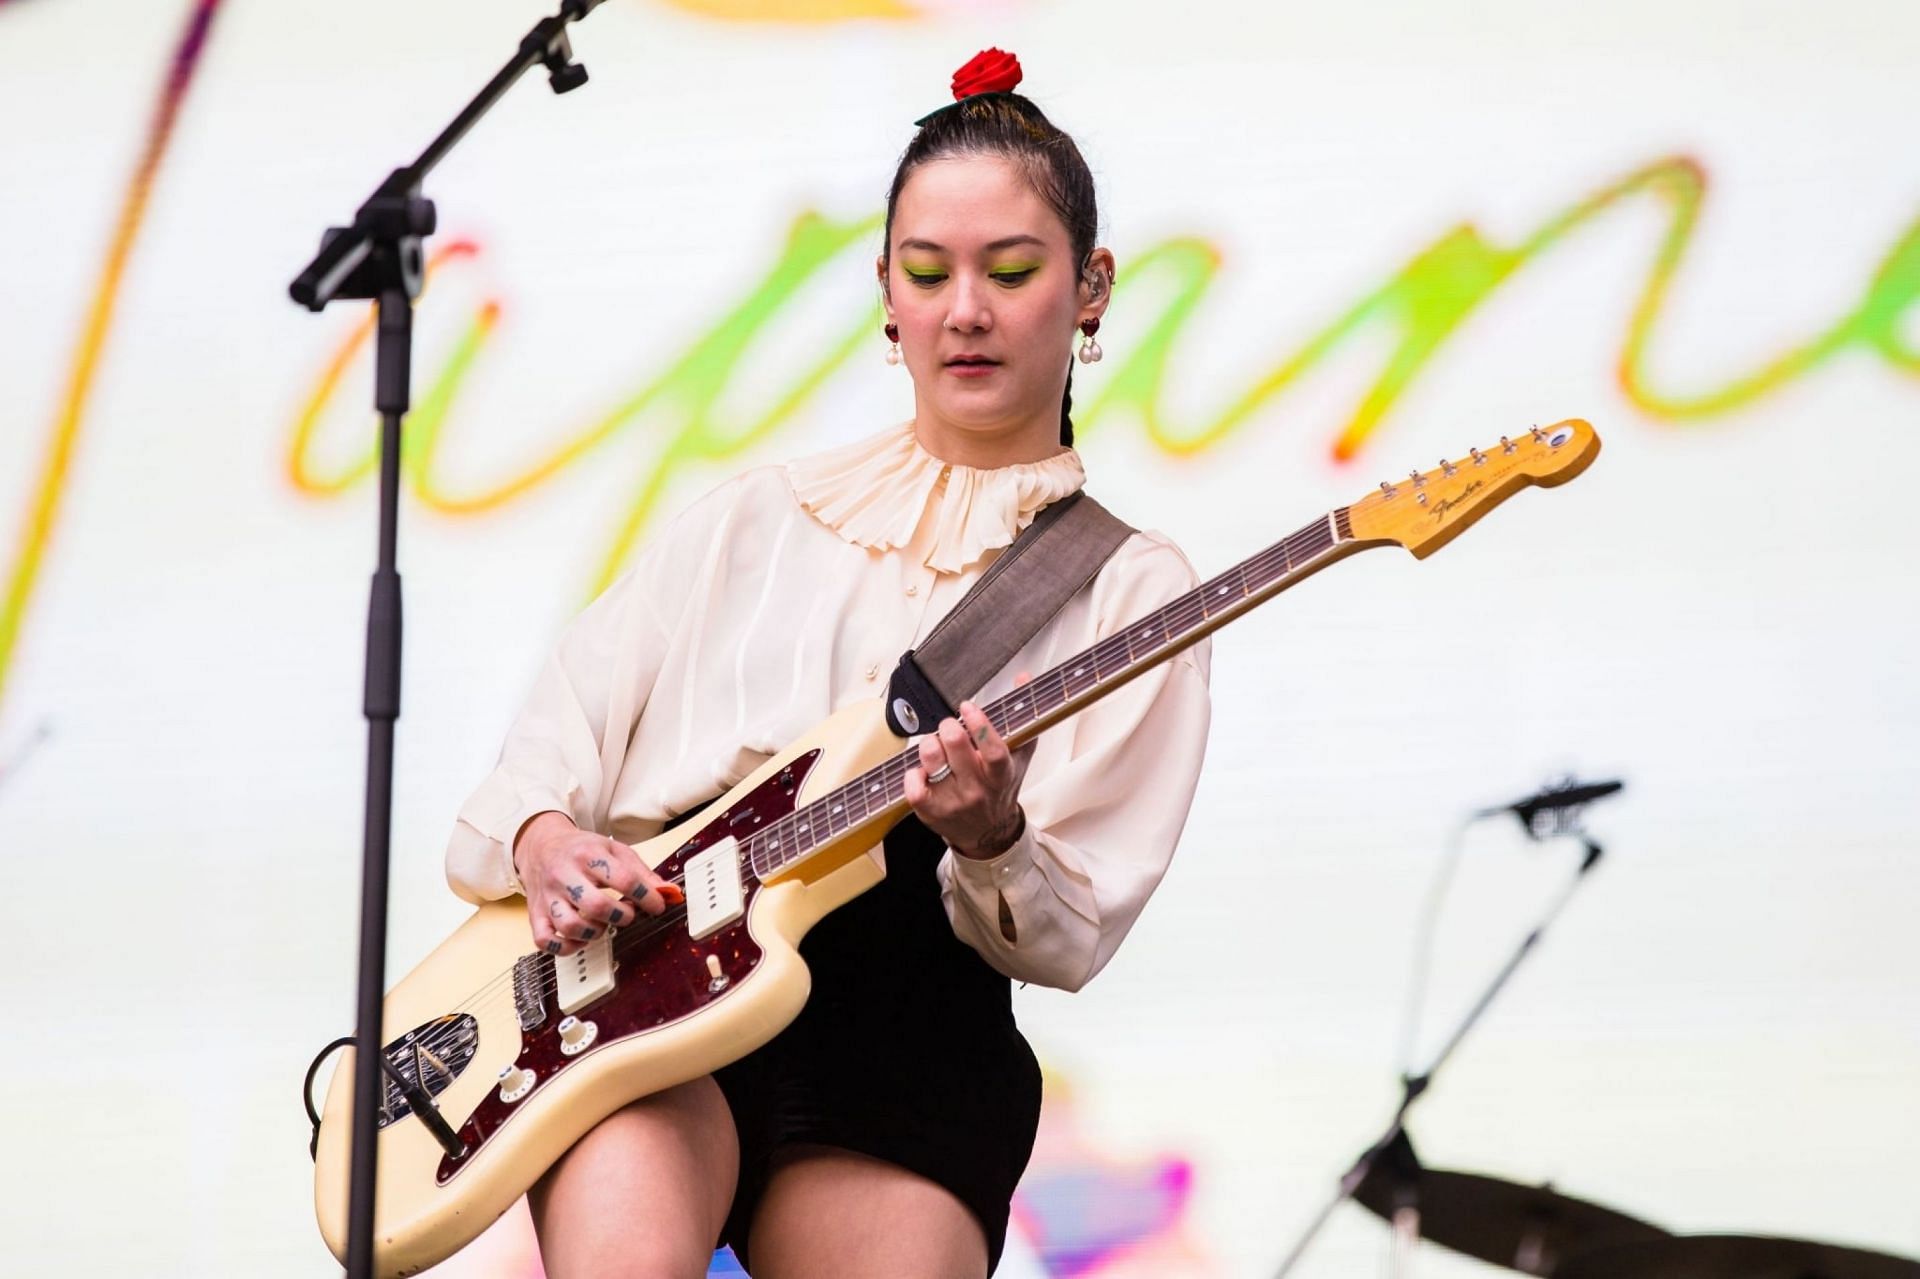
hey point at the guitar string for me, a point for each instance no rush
(1170, 622)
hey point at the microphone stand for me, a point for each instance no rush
(1413, 1086)
(379, 257)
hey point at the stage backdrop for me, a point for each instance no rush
(1352, 239)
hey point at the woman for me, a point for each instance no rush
(883, 1132)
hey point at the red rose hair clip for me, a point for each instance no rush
(989, 71)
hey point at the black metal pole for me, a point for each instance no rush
(379, 257)
(382, 708)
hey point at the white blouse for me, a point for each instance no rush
(786, 593)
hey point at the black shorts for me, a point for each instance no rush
(906, 1051)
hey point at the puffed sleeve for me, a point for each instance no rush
(1103, 822)
(565, 747)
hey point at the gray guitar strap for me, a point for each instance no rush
(1031, 580)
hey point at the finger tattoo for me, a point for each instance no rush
(576, 892)
(588, 934)
(553, 947)
(980, 736)
(600, 864)
(555, 907)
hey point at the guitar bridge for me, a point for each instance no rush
(528, 1000)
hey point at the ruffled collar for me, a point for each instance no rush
(876, 492)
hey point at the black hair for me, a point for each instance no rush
(1009, 124)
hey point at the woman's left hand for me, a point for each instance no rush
(974, 807)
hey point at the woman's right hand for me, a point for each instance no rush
(565, 870)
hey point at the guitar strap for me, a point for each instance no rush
(1013, 599)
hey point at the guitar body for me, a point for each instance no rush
(668, 1018)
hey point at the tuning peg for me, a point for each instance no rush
(1539, 436)
(1446, 467)
(1387, 488)
(1507, 445)
(1479, 458)
(1417, 478)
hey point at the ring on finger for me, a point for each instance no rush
(939, 774)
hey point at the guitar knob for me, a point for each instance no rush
(576, 1036)
(515, 1083)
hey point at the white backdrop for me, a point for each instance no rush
(1683, 222)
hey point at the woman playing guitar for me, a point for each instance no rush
(883, 1132)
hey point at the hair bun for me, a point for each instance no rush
(988, 71)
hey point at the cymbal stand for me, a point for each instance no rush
(1413, 1086)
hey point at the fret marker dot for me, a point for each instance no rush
(874, 789)
(837, 807)
(1079, 670)
(1019, 705)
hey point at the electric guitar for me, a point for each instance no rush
(500, 1057)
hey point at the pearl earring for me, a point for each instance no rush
(1090, 351)
(893, 336)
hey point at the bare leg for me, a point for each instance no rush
(833, 1212)
(645, 1193)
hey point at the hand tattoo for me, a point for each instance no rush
(1001, 836)
(576, 892)
(555, 907)
(600, 864)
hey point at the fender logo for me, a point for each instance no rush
(1440, 509)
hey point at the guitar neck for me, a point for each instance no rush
(875, 797)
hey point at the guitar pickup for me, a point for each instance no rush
(716, 897)
(585, 975)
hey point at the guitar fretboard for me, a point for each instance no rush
(1065, 688)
